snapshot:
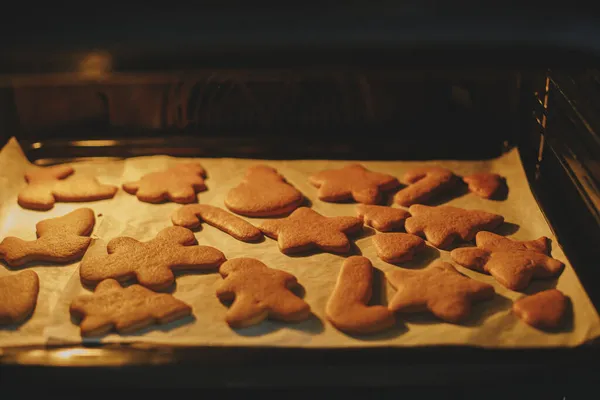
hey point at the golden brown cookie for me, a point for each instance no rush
(443, 224)
(191, 215)
(439, 288)
(305, 229)
(347, 307)
(151, 263)
(48, 185)
(543, 310)
(18, 296)
(424, 183)
(178, 184)
(259, 292)
(353, 182)
(492, 242)
(513, 269)
(485, 184)
(125, 309)
(382, 218)
(263, 193)
(60, 240)
(397, 247)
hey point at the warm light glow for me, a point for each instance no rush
(94, 143)
(66, 354)
(95, 65)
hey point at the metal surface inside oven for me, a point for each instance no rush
(462, 97)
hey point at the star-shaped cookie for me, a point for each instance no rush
(352, 182)
(305, 229)
(439, 288)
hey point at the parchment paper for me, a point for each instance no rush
(491, 324)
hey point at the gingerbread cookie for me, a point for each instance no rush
(347, 307)
(513, 269)
(61, 240)
(259, 292)
(543, 310)
(397, 247)
(178, 184)
(382, 218)
(353, 182)
(263, 193)
(151, 263)
(443, 224)
(305, 229)
(439, 288)
(18, 296)
(51, 184)
(424, 184)
(125, 309)
(492, 242)
(486, 185)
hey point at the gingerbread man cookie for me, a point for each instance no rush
(439, 288)
(151, 263)
(48, 185)
(443, 224)
(191, 215)
(61, 240)
(259, 292)
(424, 184)
(263, 193)
(353, 182)
(484, 184)
(125, 309)
(382, 218)
(347, 307)
(397, 247)
(543, 310)
(305, 229)
(178, 184)
(18, 296)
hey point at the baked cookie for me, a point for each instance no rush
(439, 288)
(353, 182)
(18, 296)
(125, 309)
(543, 310)
(263, 193)
(424, 183)
(178, 184)
(191, 215)
(484, 184)
(259, 292)
(347, 307)
(305, 229)
(443, 224)
(493, 242)
(60, 240)
(151, 263)
(47, 185)
(513, 269)
(382, 218)
(397, 247)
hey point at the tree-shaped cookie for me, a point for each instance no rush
(305, 229)
(424, 183)
(507, 263)
(125, 309)
(263, 193)
(439, 288)
(48, 185)
(178, 184)
(191, 216)
(18, 296)
(484, 184)
(353, 182)
(397, 247)
(259, 292)
(543, 310)
(347, 307)
(151, 263)
(382, 218)
(443, 224)
(61, 240)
